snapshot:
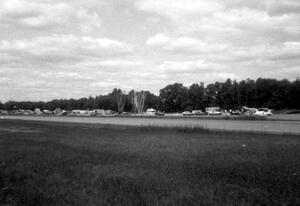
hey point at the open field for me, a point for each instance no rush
(59, 163)
(262, 126)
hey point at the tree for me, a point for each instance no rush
(119, 98)
(153, 101)
(138, 100)
(226, 94)
(248, 93)
(211, 93)
(1, 106)
(105, 102)
(236, 95)
(196, 96)
(295, 95)
(174, 97)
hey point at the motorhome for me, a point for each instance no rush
(150, 111)
(213, 110)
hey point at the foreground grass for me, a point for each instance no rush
(81, 164)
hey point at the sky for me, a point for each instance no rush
(78, 48)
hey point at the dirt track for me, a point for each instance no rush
(284, 127)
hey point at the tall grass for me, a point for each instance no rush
(82, 164)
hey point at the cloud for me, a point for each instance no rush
(193, 71)
(189, 67)
(184, 8)
(234, 21)
(279, 52)
(280, 7)
(4, 79)
(39, 15)
(227, 53)
(106, 84)
(110, 67)
(158, 40)
(184, 44)
(179, 8)
(63, 48)
(237, 61)
(119, 63)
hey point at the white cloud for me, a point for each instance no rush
(38, 15)
(105, 84)
(188, 72)
(184, 44)
(158, 40)
(279, 7)
(189, 67)
(233, 21)
(179, 8)
(183, 8)
(119, 63)
(4, 79)
(283, 51)
(57, 48)
(110, 67)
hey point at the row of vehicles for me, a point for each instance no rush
(217, 111)
(208, 111)
(59, 112)
(101, 112)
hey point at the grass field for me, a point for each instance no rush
(266, 126)
(295, 117)
(49, 163)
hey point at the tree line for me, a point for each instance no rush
(231, 94)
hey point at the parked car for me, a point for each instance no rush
(263, 112)
(198, 112)
(28, 112)
(248, 111)
(235, 112)
(225, 112)
(187, 113)
(158, 113)
(3, 112)
(47, 112)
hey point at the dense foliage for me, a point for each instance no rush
(272, 93)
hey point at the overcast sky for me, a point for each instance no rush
(76, 48)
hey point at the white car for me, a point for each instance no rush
(197, 112)
(263, 112)
(187, 113)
